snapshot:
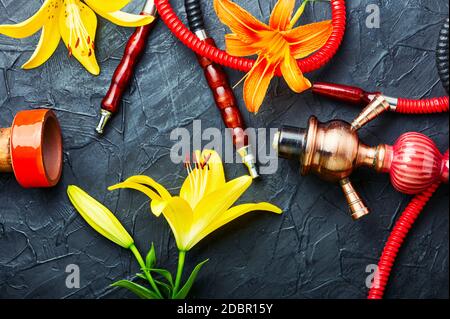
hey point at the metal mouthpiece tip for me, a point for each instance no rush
(249, 161)
(355, 127)
(253, 171)
(356, 215)
(149, 8)
(276, 141)
(105, 116)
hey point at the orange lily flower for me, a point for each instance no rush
(278, 45)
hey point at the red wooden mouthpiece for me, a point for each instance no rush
(344, 93)
(227, 104)
(224, 98)
(123, 75)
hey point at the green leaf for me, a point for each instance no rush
(150, 260)
(188, 285)
(138, 290)
(141, 275)
(167, 275)
(168, 289)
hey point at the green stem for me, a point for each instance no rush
(298, 14)
(300, 11)
(144, 269)
(181, 259)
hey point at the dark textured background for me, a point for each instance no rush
(314, 250)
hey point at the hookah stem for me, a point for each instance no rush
(123, 75)
(218, 82)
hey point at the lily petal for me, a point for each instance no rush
(179, 215)
(241, 22)
(235, 46)
(257, 83)
(216, 174)
(157, 204)
(232, 214)
(281, 14)
(203, 180)
(216, 203)
(108, 5)
(99, 217)
(293, 75)
(31, 25)
(121, 18)
(143, 189)
(307, 39)
(50, 38)
(150, 182)
(78, 24)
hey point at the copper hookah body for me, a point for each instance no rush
(333, 151)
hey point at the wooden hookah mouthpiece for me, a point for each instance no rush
(124, 73)
(223, 94)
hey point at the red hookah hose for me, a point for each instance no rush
(427, 106)
(397, 237)
(309, 64)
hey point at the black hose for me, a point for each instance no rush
(194, 15)
(442, 55)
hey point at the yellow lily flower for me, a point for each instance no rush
(75, 21)
(99, 217)
(204, 203)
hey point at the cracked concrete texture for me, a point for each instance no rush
(313, 250)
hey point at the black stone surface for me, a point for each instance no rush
(313, 250)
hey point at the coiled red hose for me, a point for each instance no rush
(397, 237)
(309, 64)
(434, 105)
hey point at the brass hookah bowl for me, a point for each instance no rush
(333, 151)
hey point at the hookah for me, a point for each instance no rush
(32, 149)
(332, 150)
